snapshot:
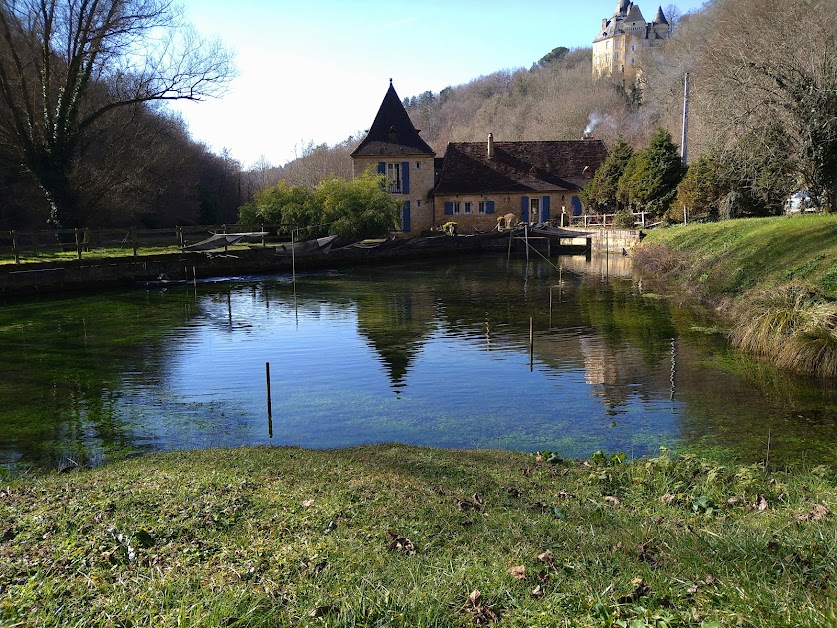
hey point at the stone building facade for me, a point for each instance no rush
(475, 182)
(622, 39)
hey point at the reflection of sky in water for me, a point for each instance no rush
(463, 388)
(430, 355)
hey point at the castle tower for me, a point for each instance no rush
(617, 46)
(393, 147)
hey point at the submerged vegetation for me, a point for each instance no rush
(395, 535)
(776, 278)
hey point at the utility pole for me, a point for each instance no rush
(683, 140)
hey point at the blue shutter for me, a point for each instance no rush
(448, 208)
(382, 167)
(524, 209)
(545, 208)
(489, 207)
(405, 178)
(405, 217)
(576, 205)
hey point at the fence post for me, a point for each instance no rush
(86, 239)
(15, 250)
(225, 233)
(179, 236)
(78, 244)
(134, 240)
(263, 241)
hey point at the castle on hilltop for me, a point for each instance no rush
(621, 40)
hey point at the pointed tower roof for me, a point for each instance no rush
(660, 18)
(392, 132)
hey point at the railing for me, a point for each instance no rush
(54, 244)
(606, 220)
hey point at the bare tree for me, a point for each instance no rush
(68, 63)
(774, 86)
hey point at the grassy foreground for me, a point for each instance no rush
(774, 278)
(392, 535)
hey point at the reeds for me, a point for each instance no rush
(794, 325)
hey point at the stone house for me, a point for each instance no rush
(621, 40)
(475, 182)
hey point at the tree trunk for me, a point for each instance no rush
(52, 177)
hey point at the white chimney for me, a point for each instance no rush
(491, 146)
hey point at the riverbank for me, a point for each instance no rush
(395, 535)
(774, 279)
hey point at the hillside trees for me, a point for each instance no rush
(770, 95)
(65, 66)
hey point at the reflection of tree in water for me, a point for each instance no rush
(396, 324)
(60, 373)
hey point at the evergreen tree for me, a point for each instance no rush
(599, 195)
(651, 176)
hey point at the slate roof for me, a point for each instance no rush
(517, 167)
(392, 132)
(660, 18)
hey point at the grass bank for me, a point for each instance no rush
(394, 535)
(774, 278)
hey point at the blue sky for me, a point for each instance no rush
(317, 70)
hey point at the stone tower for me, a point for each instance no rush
(392, 147)
(617, 46)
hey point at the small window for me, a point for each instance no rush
(467, 207)
(418, 165)
(457, 207)
(481, 207)
(418, 204)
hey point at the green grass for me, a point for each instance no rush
(774, 278)
(730, 257)
(395, 535)
(28, 257)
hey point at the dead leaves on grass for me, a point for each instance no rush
(817, 512)
(400, 543)
(480, 613)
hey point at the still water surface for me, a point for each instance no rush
(426, 353)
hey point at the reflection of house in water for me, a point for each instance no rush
(396, 324)
(615, 374)
(606, 264)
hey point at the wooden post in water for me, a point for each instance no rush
(194, 277)
(225, 240)
(269, 403)
(15, 250)
(293, 259)
(508, 257)
(531, 343)
(78, 244)
(263, 240)
(526, 239)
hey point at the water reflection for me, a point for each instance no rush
(92, 379)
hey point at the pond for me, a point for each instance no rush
(428, 353)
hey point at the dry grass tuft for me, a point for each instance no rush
(795, 325)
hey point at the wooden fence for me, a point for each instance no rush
(80, 243)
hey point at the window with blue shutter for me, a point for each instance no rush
(405, 217)
(382, 167)
(524, 209)
(576, 205)
(448, 208)
(489, 207)
(405, 177)
(545, 208)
